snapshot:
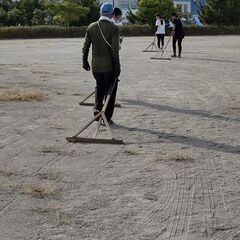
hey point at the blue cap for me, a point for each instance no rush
(106, 8)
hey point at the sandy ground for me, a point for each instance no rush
(176, 177)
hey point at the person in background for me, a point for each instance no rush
(160, 30)
(103, 35)
(117, 20)
(117, 16)
(178, 35)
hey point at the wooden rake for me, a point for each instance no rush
(101, 120)
(152, 47)
(84, 103)
(161, 52)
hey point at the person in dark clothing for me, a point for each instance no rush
(178, 35)
(103, 35)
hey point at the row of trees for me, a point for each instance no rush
(82, 12)
(41, 12)
(219, 12)
(147, 10)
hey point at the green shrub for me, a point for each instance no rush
(41, 32)
(129, 30)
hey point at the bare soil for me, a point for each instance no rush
(176, 177)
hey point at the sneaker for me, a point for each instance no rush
(174, 55)
(111, 122)
(95, 113)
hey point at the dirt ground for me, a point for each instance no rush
(176, 178)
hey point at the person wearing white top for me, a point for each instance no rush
(160, 30)
(117, 16)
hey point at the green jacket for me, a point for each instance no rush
(104, 57)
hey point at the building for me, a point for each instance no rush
(186, 6)
(189, 6)
(122, 4)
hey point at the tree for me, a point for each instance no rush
(67, 11)
(148, 8)
(39, 16)
(16, 17)
(28, 7)
(133, 18)
(221, 12)
(3, 16)
(6, 4)
(93, 13)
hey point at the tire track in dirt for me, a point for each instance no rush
(179, 207)
(154, 211)
(21, 144)
(229, 230)
(164, 200)
(220, 213)
(232, 235)
(174, 209)
(14, 202)
(15, 123)
(16, 199)
(189, 213)
(185, 207)
(73, 191)
(215, 207)
(208, 222)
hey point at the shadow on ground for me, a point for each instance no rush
(201, 113)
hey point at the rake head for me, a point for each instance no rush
(75, 139)
(92, 104)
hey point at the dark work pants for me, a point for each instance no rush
(160, 37)
(104, 82)
(179, 40)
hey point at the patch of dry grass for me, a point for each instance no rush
(20, 95)
(40, 190)
(77, 94)
(41, 72)
(50, 208)
(49, 175)
(63, 219)
(57, 126)
(8, 186)
(131, 152)
(235, 107)
(50, 149)
(180, 155)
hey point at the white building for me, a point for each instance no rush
(124, 5)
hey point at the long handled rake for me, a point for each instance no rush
(161, 52)
(84, 103)
(102, 119)
(152, 47)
